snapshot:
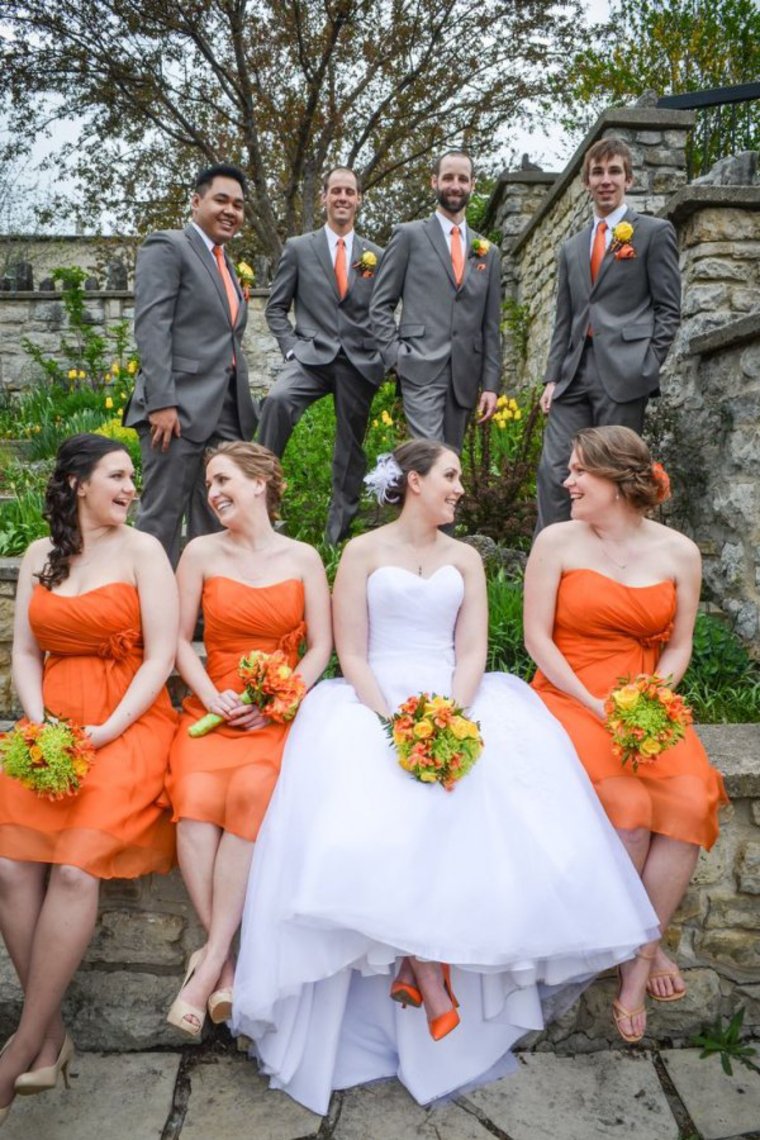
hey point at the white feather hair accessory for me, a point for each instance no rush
(385, 472)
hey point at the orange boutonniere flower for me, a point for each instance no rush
(625, 252)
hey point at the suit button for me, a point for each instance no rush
(454, 332)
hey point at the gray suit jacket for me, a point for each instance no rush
(633, 307)
(185, 336)
(440, 323)
(324, 324)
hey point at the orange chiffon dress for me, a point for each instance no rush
(117, 825)
(228, 777)
(607, 630)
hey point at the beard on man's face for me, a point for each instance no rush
(453, 200)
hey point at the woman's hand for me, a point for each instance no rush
(237, 714)
(224, 704)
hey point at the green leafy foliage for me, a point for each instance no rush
(726, 1042)
(506, 651)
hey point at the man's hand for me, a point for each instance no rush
(486, 406)
(547, 395)
(163, 425)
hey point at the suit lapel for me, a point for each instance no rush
(357, 250)
(583, 256)
(206, 258)
(434, 231)
(322, 252)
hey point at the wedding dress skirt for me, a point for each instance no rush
(516, 877)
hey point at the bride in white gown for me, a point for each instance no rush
(363, 875)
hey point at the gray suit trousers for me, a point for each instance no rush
(296, 388)
(432, 412)
(174, 483)
(584, 403)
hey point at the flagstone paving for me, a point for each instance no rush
(210, 1095)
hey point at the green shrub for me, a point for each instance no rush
(506, 651)
(21, 522)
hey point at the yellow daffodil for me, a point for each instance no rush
(72, 374)
(109, 403)
(132, 367)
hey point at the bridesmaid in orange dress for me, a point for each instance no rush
(613, 594)
(258, 590)
(94, 639)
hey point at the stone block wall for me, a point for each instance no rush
(657, 139)
(40, 317)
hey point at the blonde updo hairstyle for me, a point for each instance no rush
(256, 462)
(418, 455)
(620, 455)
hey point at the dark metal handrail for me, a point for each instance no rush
(726, 122)
(711, 97)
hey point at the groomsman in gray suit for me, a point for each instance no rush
(446, 350)
(192, 388)
(618, 309)
(327, 276)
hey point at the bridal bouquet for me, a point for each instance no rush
(52, 758)
(436, 743)
(644, 718)
(269, 683)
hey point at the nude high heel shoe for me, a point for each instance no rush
(41, 1080)
(220, 1005)
(188, 1018)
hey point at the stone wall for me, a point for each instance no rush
(146, 928)
(41, 318)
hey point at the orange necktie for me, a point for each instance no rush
(598, 250)
(229, 288)
(457, 257)
(341, 273)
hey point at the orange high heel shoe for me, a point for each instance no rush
(445, 1023)
(406, 993)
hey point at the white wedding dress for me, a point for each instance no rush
(516, 877)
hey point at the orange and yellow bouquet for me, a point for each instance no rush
(644, 718)
(436, 743)
(269, 682)
(51, 758)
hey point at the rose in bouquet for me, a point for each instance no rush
(51, 758)
(435, 742)
(645, 717)
(270, 683)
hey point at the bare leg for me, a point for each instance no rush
(64, 928)
(667, 872)
(231, 867)
(197, 848)
(429, 978)
(635, 973)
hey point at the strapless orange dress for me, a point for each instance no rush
(117, 825)
(607, 631)
(228, 777)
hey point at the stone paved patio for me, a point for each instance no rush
(206, 1095)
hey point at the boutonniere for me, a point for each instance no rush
(480, 247)
(246, 277)
(620, 246)
(366, 265)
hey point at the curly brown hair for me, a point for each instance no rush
(75, 461)
(620, 455)
(256, 462)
